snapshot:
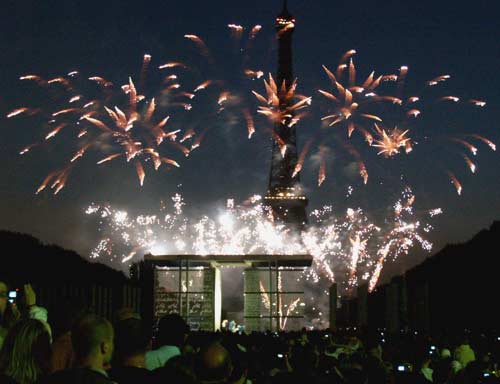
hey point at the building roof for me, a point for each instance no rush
(232, 260)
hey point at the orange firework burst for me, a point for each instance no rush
(280, 105)
(389, 142)
(353, 107)
(121, 120)
(350, 100)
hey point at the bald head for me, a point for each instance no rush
(214, 363)
(92, 335)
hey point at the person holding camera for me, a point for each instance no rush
(10, 313)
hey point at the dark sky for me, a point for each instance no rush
(53, 37)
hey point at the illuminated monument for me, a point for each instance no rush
(284, 194)
(191, 284)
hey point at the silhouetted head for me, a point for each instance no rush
(213, 364)
(172, 330)
(131, 339)
(92, 338)
(26, 351)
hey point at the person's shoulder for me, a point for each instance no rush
(76, 376)
(131, 375)
(158, 357)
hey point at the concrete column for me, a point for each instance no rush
(217, 299)
(209, 312)
(252, 300)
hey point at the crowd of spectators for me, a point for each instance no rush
(81, 347)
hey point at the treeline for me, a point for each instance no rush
(26, 259)
(454, 289)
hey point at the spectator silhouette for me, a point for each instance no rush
(214, 364)
(376, 368)
(131, 343)
(92, 339)
(172, 333)
(62, 349)
(10, 314)
(24, 357)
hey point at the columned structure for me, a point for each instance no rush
(191, 286)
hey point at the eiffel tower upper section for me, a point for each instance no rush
(284, 194)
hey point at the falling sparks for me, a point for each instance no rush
(450, 98)
(349, 240)
(134, 126)
(250, 123)
(438, 79)
(30, 77)
(413, 112)
(470, 164)
(253, 74)
(356, 107)
(456, 183)
(478, 103)
(171, 65)
(16, 112)
(489, 143)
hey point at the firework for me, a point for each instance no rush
(225, 102)
(280, 105)
(284, 310)
(122, 120)
(358, 107)
(137, 124)
(389, 143)
(347, 242)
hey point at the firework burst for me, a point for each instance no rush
(387, 119)
(110, 121)
(221, 92)
(349, 242)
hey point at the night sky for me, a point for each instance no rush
(53, 37)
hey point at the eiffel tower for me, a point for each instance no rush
(284, 194)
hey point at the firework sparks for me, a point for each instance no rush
(134, 127)
(456, 183)
(250, 123)
(172, 64)
(354, 107)
(16, 112)
(489, 143)
(349, 241)
(279, 106)
(389, 143)
(201, 46)
(470, 164)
